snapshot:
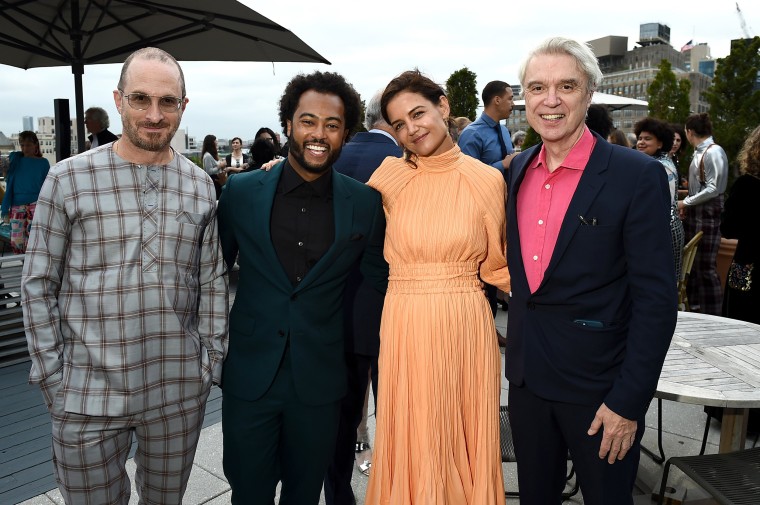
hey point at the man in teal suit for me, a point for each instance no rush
(298, 230)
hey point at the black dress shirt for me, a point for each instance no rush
(302, 223)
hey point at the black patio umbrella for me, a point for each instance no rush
(49, 33)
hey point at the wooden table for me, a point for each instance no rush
(715, 361)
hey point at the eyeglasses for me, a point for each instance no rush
(141, 101)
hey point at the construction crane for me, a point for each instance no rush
(745, 30)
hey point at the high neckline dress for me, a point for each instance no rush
(437, 437)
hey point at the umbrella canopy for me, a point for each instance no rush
(614, 102)
(48, 33)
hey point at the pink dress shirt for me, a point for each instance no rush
(542, 202)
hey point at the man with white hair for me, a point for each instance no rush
(593, 303)
(97, 123)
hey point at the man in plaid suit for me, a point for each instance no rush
(125, 299)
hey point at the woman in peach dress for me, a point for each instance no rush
(437, 437)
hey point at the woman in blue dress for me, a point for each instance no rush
(27, 170)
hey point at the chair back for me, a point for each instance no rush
(689, 254)
(505, 436)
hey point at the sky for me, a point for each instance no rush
(372, 42)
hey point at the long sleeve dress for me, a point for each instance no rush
(437, 437)
(739, 221)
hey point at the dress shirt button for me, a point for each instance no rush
(300, 244)
(548, 186)
(540, 221)
(531, 306)
(303, 210)
(293, 297)
(299, 278)
(535, 258)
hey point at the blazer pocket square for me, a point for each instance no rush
(356, 236)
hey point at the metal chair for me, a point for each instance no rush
(731, 478)
(689, 253)
(508, 452)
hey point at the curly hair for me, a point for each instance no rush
(660, 129)
(749, 155)
(322, 82)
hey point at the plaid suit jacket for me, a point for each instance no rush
(124, 290)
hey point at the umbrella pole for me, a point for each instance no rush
(79, 99)
(77, 67)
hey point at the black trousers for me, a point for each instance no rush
(543, 431)
(338, 478)
(277, 438)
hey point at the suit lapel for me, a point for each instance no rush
(517, 271)
(262, 218)
(589, 186)
(343, 213)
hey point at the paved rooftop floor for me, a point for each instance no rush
(682, 434)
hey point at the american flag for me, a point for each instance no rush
(687, 46)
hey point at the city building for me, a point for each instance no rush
(28, 122)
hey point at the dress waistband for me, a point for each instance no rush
(434, 277)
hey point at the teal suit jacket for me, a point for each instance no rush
(269, 310)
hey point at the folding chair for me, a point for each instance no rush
(731, 478)
(508, 452)
(689, 253)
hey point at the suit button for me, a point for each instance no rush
(293, 297)
(281, 333)
(531, 306)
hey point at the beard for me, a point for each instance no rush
(155, 142)
(297, 151)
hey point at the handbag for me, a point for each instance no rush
(740, 276)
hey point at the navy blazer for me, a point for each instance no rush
(269, 311)
(363, 303)
(599, 325)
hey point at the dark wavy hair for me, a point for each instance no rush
(322, 82)
(660, 129)
(209, 146)
(262, 151)
(30, 136)
(677, 128)
(699, 124)
(272, 134)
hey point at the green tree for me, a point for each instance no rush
(734, 97)
(669, 96)
(531, 138)
(462, 91)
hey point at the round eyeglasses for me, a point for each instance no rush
(141, 101)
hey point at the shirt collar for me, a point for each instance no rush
(290, 180)
(488, 120)
(383, 132)
(577, 158)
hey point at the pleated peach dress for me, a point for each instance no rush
(437, 437)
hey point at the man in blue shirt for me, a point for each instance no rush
(487, 139)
